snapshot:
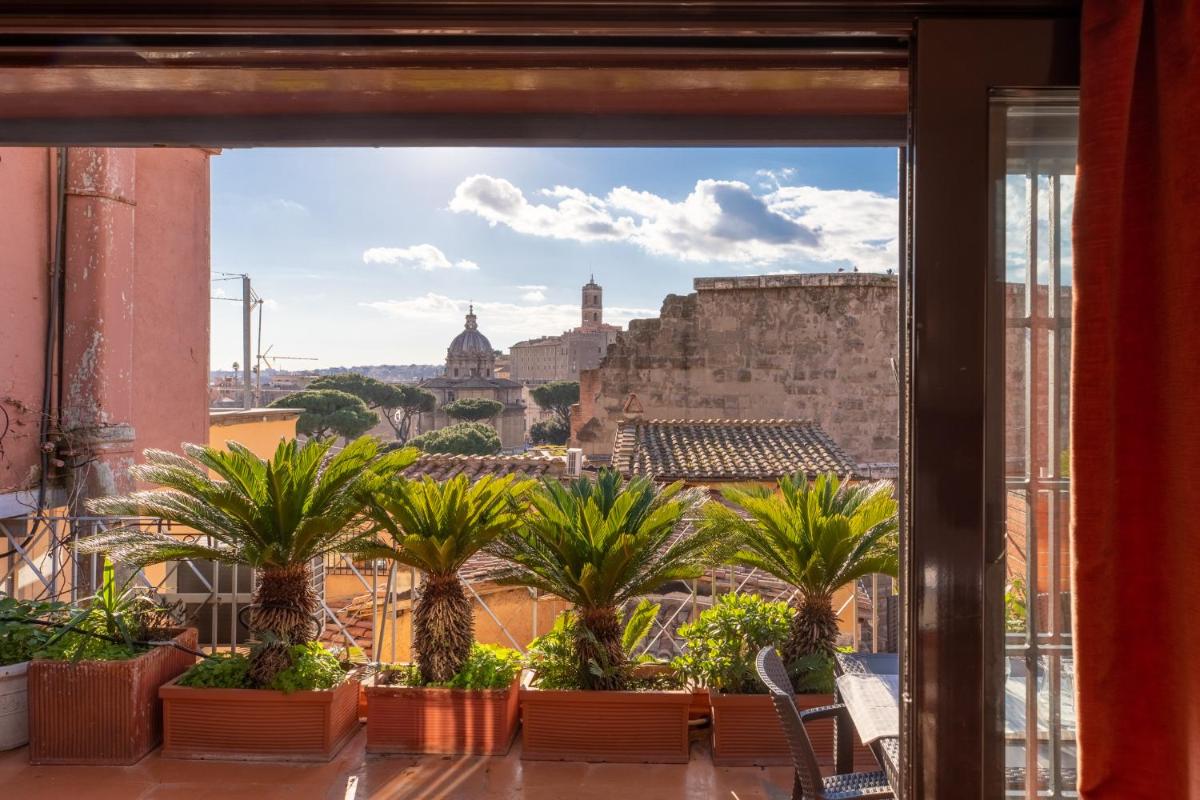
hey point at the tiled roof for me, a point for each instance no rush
(441, 466)
(726, 449)
(469, 382)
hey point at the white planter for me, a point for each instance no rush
(14, 706)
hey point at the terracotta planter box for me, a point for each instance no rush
(101, 712)
(629, 727)
(14, 705)
(746, 730)
(441, 721)
(258, 724)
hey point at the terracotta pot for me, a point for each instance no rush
(14, 705)
(630, 727)
(101, 712)
(258, 724)
(746, 730)
(441, 721)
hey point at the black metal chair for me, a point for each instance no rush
(809, 783)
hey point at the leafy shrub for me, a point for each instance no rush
(553, 431)
(472, 409)
(487, 667)
(554, 661)
(720, 646)
(464, 439)
(20, 636)
(813, 674)
(313, 667)
(112, 626)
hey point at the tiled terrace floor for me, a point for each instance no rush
(356, 776)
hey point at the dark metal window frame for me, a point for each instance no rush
(951, 437)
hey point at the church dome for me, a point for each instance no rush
(470, 342)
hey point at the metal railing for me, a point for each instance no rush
(372, 600)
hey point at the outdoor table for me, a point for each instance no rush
(869, 685)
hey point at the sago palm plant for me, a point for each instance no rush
(274, 515)
(436, 527)
(597, 545)
(816, 537)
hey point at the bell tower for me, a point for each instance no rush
(593, 304)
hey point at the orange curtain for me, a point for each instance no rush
(1136, 401)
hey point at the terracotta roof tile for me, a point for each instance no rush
(726, 449)
(441, 467)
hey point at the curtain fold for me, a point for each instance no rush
(1135, 427)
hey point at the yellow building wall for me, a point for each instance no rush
(261, 435)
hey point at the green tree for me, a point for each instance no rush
(816, 537)
(557, 397)
(329, 413)
(465, 439)
(436, 527)
(550, 431)
(598, 545)
(473, 409)
(397, 404)
(273, 515)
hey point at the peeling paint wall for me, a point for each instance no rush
(135, 333)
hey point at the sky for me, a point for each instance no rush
(371, 256)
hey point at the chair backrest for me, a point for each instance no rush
(774, 676)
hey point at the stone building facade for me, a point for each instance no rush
(818, 347)
(563, 357)
(471, 373)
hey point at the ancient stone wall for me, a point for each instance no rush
(819, 347)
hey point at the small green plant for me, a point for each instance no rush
(20, 634)
(312, 667)
(487, 667)
(553, 656)
(1015, 609)
(720, 646)
(114, 625)
(813, 674)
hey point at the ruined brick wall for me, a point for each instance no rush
(817, 347)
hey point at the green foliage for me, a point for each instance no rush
(109, 627)
(397, 404)
(266, 514)
(436, 527)
(554, 431)
(20, 637)
(720, 646)
(553, 659)
(312, 667)
(328, 413)
(817, 537)
(813, 674)
(487, 667)
(465, 438)
(1015, 608)
(598, 544)
(473, 409)
(557, 396)
(275, 516)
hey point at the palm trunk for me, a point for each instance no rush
(814, 630)
(443, 628)
(602, 662)
(282, 615)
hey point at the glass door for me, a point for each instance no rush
(1034, 135)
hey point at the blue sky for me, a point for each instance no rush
(369, 256)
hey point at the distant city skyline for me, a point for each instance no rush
(371, 256)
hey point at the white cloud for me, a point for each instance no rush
(424, 257)
(533, 293)
(502, 323)
(719, 221)
(279, 206)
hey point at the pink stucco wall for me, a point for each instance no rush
(135, 346)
